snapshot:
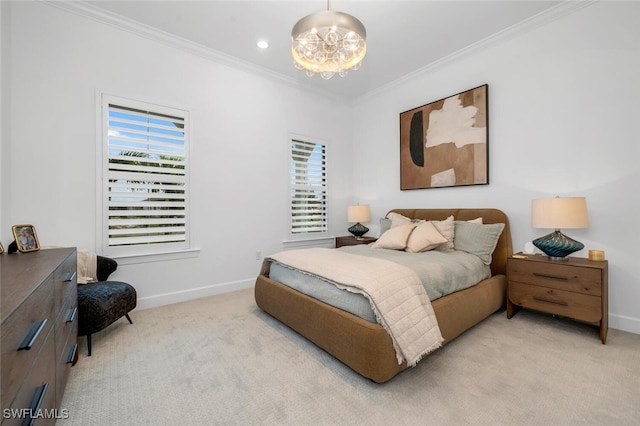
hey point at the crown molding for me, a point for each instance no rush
(108, 18)
(103, 16)
(563, 9)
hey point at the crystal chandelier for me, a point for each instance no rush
(327, 43)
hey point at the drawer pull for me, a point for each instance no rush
(555, 302)
(553, 277)
(70, 276)
(72, 314)
(33, 334)
(72, 353)
(36, 403)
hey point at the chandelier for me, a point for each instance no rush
(328, 43)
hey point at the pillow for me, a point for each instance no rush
(424, 237)
(477, 239)
(447, 229)
(398, 220)
(385, 225)
(395, 238)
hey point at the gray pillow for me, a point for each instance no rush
(385, 225)
(477, 239)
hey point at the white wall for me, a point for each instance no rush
(240, 123)
(563, 114)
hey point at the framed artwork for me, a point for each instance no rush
(446, 143)
(26, 238)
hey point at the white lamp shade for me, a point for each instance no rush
(359, 213)
(559, 212)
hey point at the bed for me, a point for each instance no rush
(366, 347)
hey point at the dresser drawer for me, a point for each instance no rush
(43, 373)
(557, 276)
(66, 357)
(65, 282)
(31, 321)
(560, 302)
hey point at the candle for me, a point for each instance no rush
(596, 254)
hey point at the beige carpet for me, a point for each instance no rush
(221, 360)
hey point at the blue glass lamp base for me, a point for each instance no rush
(557, 246)
(358, 230)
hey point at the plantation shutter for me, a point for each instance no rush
(147, 177)
(308, 188)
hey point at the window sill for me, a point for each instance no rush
(310, 242)
(134, 259)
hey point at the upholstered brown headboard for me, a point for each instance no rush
(503, 248)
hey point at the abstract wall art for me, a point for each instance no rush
(446, 143)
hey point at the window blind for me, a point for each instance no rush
(147, 177)
(308, 188)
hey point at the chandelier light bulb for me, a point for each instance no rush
(328, 43)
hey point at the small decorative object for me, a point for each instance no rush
(596, 255)
(556, 213)
(26, 239)
(358, 213)
(328, 43)
(1, 248)
(446, 143)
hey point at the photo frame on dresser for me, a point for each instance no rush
(446, 143)
(25, 237)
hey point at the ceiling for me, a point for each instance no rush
(402, 36)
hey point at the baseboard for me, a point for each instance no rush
(195, 293)
(620, 322)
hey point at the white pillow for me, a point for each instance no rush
(424, 237)
(395, 238)
(398, 220)
(447, 229)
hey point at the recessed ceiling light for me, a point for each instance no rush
(262, 44)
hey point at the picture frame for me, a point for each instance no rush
(445, 143)
(26, 238)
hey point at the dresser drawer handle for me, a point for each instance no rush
(70, 276)
(33, 334)
(553, 277)
(72, 353)
(555, 302)
(72, 314)
(36, 403)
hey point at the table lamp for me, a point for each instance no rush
(556, 213)
(357, 214)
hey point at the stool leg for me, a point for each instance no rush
(129, 318)
(89, 343)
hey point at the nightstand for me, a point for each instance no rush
(350, 240)
(574, 288)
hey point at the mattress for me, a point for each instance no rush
(441, 273)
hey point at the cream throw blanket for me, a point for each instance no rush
(397, 297)
(87, 267)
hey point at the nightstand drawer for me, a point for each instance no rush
(560, 276)
(565, 303)
(352, 241)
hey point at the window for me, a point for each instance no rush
(145, 178)
(308, 188)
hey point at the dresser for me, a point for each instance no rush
(39, 333)
(574, 288)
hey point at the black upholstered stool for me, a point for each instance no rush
(102, 303)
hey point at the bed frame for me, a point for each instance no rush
(366, 347)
